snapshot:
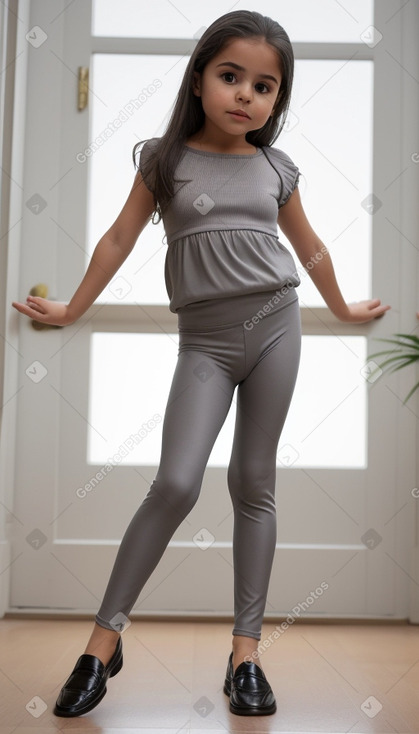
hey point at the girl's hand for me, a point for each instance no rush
(359, 313)
(45, 311)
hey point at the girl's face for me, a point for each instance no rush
(245, 75)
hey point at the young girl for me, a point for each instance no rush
(221, 190)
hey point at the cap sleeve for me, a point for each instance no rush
(145, 161)
(288, 172)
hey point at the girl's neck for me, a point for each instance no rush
(210, 144)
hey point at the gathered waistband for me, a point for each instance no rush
(230, 311)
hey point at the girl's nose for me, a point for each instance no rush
(245, 92)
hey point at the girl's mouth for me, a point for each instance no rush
(238, 115)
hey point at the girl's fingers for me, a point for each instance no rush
(380, 310)
(36, 303)
(22, 307)
(364, 311)
(375, 313)
(35, 307)
(376, 308)
(375, 303)
(27, 310)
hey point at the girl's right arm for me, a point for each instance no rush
(109, 254)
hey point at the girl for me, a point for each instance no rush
(221, 190)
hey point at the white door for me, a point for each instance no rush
(92, 396)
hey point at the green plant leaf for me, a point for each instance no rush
(411, 392)
(404, 364)
(386, 351)
(405, 353)
(397, 342)
(390, 360)
(413, 337)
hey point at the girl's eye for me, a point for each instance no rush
(262, 90)
(227, 73)
(261, 84)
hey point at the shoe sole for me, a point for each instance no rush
(251, 711)
(92, 704)
(69, 714)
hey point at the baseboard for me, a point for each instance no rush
(65, 614)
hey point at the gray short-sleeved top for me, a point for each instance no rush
(221, 226)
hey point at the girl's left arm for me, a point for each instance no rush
(310, 249)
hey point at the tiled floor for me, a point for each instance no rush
(332, 678)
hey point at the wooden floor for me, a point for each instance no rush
(326, 678)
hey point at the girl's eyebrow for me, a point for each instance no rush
(241, 68)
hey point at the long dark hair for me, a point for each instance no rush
(188, 116)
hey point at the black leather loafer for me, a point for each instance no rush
(249, 691)
(86, 686)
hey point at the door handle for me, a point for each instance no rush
(41, 290)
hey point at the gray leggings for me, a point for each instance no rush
(252, 341)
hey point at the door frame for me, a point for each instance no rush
(407, 471)
(13, 19)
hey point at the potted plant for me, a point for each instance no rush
(405, 352)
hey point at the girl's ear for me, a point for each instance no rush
(196, 80)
